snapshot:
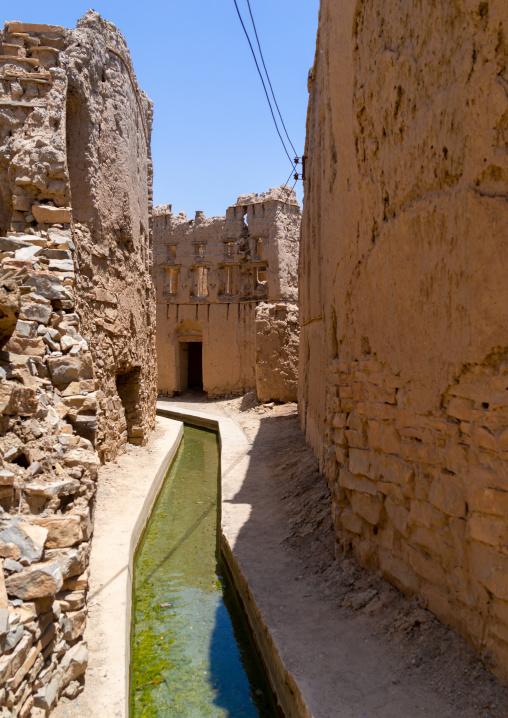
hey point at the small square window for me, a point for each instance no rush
(261, 275)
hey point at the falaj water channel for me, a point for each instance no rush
(191, 650)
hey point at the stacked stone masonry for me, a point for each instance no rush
(77, 366)
(227, 288)
(404, 299)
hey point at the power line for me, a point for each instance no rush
(287, 190)
(264, 85)
(268, 78)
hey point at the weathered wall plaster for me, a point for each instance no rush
(404, 298)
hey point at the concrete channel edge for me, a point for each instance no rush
(234, 446)
(136, 536)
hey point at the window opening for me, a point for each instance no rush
(172, 251)
(128, 385)
(261, 275)
(202, 281)
(228, 280)
(173, 281)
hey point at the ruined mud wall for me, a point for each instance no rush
(110, 169)
(214, 278)
(404, 299)
(277, 342)
(56, 392)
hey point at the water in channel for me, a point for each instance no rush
(191, 652)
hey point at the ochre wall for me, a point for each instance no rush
(259, 233)
(228, 336)
(404, 298)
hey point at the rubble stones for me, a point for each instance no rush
(9, 306)
(16, 399)
(72, 562)
(12, 566)
(6, 478)
(65, 370)
(37, 581)
(11, 639)
(4, 621)
(46, 284)
(53, 489)
(62, 531)
(9, 550)
(36, 313)
(28, 252)
(28, 538)
(12, 244)
(58, 390)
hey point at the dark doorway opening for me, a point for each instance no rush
(128, 386)
(196, 365)
(5, 214)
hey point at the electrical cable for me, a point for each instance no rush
(264, 85)
(287, 191)
(268, 78)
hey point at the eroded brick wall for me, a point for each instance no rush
(77, 363)
(244, 314)
(404, 299)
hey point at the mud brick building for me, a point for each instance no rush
(227, 319)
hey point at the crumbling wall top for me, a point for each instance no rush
(284, 193)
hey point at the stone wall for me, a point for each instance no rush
(214, 278)
(109, 122)
(277, 340)
(77, 366)
(404, 299)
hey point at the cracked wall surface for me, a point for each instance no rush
(403, 298)
(229, 285)
(77, 308)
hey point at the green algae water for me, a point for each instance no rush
(191, 652)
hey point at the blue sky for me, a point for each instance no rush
(213, 136)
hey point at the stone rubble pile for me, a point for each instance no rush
(48, 472)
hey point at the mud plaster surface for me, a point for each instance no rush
(371, 652)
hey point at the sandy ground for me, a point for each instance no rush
(427, 660)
